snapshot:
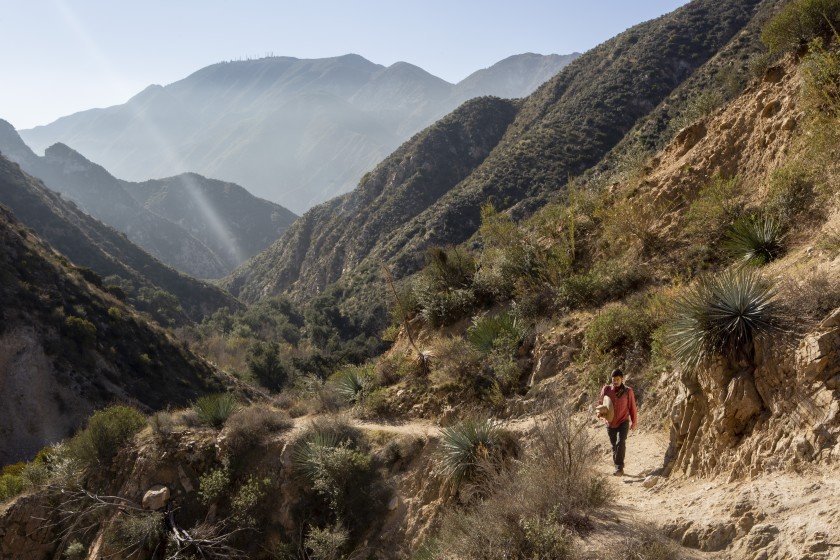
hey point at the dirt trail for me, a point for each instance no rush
(793, 503)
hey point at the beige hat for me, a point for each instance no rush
(606, 410)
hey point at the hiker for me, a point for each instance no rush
(617, 407)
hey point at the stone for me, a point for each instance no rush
(717, 537)
(186, 484)
(760, 536)
(156, 497)
(650, 481)
(394, 503)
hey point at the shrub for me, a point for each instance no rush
(106, 431)
(607, 280)
(821, 78)
(81, 330)
(722, 316)
(801, 21)
(328, 543)
(135, 531)
(245, 502)
(449, 268)
(754, 240)
(249, 426)
(810, 299)
(213, 485)
(713, 210)
(830, 241)
(266, 365)
(329, 458)
(75, 551)
(214, 410)
(534, 502)
(350, 381)
(441, 308)
(790, 193)
(488, 331)
(469, 446)
(11, 485)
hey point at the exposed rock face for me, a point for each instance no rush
(783, 412)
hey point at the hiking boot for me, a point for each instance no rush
(618, 472)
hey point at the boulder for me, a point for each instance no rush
(156, 497)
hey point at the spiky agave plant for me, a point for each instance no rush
(755, 240)
(215, 409)
(466, 445)
(349, 382)
(723, 315)
(486, 329)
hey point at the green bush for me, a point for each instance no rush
(75, 551)
(328, 543)
(606, 281)
(11, 485)
(723, 315)
(266, 365)
(790, 194)
(443, 308)
(801, 21)
(214, 410)
(449, 268)
(106, 431)
(329, 457)
(350, 381)
(713, 210)
(489, 331)
(133, 532)
(245, 503)
(213, 485)
(81, 330)
(468, 447)
(754, 240)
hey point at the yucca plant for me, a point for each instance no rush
(486, 330)
(349, 382)
(723, 315)
(754, 240)
(466, 445)
(215, 409)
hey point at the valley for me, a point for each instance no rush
(410, 369)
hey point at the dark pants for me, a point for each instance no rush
(618, 440)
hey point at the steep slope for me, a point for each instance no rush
(294, 131)
(228, 219)
(336, 236)
(195, 234)
(89, 243)
(559, 131)
(67, 347)
(515, 76)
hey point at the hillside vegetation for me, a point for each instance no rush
(125, 269)
(67, 347)
(198, 226)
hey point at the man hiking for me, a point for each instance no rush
(623, 405)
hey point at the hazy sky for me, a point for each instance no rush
(62, 56)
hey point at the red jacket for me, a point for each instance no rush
(623, 407)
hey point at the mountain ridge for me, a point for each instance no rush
(187, 231)
(229, 121)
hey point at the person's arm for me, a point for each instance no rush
(603, 392)
(632, 403)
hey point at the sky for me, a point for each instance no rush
(63, 56)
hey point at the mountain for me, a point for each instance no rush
(202, 227)
(90, 243)
(228, 219)
(559, 131)
(68, 347)
(294, 131)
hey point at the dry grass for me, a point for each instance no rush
(248, 427)
(536, 504)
